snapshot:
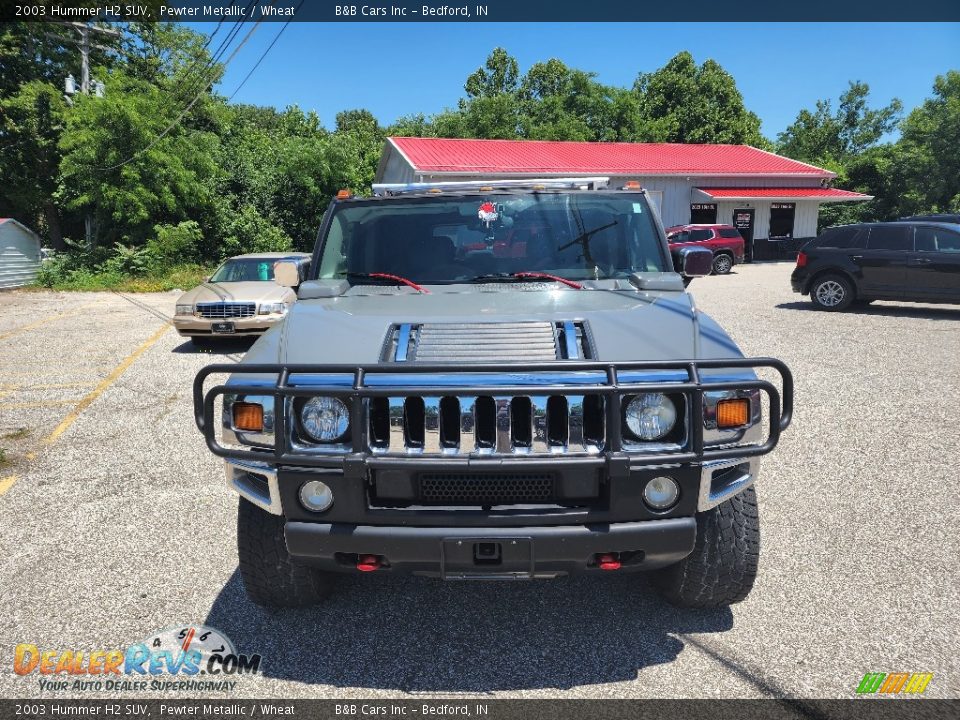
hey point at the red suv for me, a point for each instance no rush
(723, 241)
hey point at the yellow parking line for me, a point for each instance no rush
(99, 390)
(44, 321)
(7, 483)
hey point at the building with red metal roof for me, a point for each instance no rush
(774, 201)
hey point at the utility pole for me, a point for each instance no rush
(84, 29)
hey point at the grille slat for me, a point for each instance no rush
(486, 488)
(226, 310)
(502, 425)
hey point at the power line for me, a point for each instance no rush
(183, 113)
(265, 53)
(204, 75)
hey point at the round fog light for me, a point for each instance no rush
(661, 493)
(316, 496)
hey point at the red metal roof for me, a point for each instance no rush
(820, 193)
(541, 157)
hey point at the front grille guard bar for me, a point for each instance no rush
(781, 411)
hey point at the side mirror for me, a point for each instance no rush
(693, 262)
(206, 278)
(286, 273)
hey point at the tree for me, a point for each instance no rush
(497, 77)
(930, 150)
(824, 136)
(32, 122)
(118, 164)
(686, 103)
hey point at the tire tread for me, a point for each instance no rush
(269, 576)
(723, 565)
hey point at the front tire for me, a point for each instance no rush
(269, 575)
(723, 565)
(832, 293)
(722, 264)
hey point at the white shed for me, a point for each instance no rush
(19, 254)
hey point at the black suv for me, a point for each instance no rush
(855, 264)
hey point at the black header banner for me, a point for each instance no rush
(476, 11)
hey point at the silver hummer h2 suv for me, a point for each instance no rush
(501, 380)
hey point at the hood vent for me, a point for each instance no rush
(487, 342)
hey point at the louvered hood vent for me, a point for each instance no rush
(487, 342)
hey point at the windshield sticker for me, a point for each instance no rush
(488, 213)
(637, 208)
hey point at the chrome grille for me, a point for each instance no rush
(487, 425)
(226, 310)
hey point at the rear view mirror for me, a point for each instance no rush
(286, 273)
(693, 262)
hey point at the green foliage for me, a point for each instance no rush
(686, 103)
(171, 178)
(824, 136)
(173, 244)
(248, 231)
(930, 149)
(918, 173)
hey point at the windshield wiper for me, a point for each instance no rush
(387, 276)
(527, 274)
(586, 235)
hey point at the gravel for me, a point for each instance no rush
(123, 526)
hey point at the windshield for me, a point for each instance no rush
(244, 270)
(579, 236)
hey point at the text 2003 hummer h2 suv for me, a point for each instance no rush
(506, 381)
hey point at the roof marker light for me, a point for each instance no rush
(632, 185)
(344, 194)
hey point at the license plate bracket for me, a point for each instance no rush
(223, 328)
(460, 560)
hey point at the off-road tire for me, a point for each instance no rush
(831, 301)
(722, 264)
(723, 565)
(269, 576)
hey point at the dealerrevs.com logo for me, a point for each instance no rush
(192, 658)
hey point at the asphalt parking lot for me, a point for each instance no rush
(115, 522)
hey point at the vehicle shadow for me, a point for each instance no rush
(923, 312)
(422, 635)
(226, 346)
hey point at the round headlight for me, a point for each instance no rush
(661, 493)
(325, 419)
(316, 496)
(650, 416)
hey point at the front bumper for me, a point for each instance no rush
(701, 488)
(192, 326)
(521, 553)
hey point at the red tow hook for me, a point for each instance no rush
(368, 563)
(608, 561)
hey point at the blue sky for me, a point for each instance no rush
(396, 69)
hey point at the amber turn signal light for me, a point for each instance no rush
(631, 185)
(248, 416)
(344, 194)
(733, 413)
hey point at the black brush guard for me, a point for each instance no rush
(781, 410)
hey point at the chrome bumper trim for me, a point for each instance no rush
(712, 494)
(248, 478)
